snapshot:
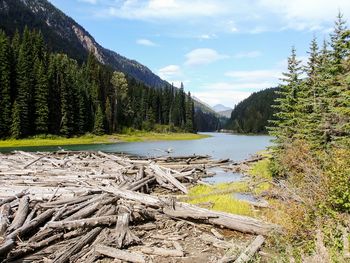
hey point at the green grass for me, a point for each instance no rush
(220, 196)
(135, 136)
(261, 169)
(225, 203)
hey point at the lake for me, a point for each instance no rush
(218, 146)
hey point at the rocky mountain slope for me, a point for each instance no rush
(63, 34)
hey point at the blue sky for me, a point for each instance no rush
(222, 50)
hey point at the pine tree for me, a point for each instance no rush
(99, 122)
(109, 116)
(41, 98)
(5, 85)
(189, 114)
(286, 125)
(25, 81)
(16, 121)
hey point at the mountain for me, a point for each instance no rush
(220, 108)
(252, 114)
(63, 34)
(225, 113)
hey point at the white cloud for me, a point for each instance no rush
(146, 42)
(165, 9)
(248, 54)
(226, 97)
(89, 1)
(229, 93)
(169, 72)
(254, 75)
(207, 36)
(203, 56)
(306, 15)
(230, 16)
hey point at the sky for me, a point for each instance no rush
(222, 50)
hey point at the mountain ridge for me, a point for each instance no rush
(65, 35)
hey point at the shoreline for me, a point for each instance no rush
(139, 136)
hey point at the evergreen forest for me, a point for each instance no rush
(49, 93)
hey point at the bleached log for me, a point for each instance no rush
(123, 236)
(167, 176)
(74, 249)
(89, 222)
(120, 254)
(162, 252)
(243, 224)
(33, 162)
(32, 224)
(4, 218)
(249, 252)
(21, 214)
(14, 197)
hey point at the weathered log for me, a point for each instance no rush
(120, 254)
(32, 224)
(85, 240)
(182, 210)
(21, 214)
(235, 222)
(167, 176)
(89, 210)
(249, 252)
(31, 247)
(162, 252)
(29, 164)
(11, 198)
(6, 247)
(123, 235)
(89, 222)
(4, 218)
(209, 239)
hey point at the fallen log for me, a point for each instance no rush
(85, 240)
(120, 254)
(21, 214)
(249, 252)
(168, 177)
(10, 199)
(89, 222)
(4, 218)
(32, 224)
(182, 210)
(162, 252)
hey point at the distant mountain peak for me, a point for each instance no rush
(221, 108)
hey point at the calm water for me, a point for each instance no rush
(219, 146)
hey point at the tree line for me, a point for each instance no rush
(49, 93)
(252, 114)
(312, 122)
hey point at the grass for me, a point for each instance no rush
(225, 203)
(221, 198)
(135, 136)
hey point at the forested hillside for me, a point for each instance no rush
(312, 146)
(48, 93)
(62, 34)
(252, 114)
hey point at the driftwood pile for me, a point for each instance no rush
(91, 206)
